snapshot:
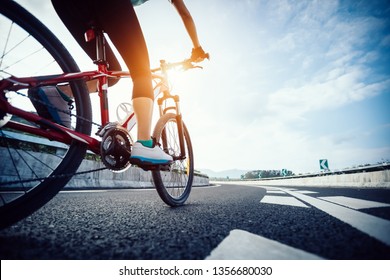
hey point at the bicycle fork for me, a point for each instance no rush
(179, 123)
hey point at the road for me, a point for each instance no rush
(218, 222)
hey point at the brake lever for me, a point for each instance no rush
(190, 65)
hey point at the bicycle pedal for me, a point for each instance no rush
(148, 166)
(154, 167)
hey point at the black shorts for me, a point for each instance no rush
(117, 18)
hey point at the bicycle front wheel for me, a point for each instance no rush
(33, 169)
(174, 185)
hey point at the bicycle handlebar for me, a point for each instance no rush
(185, 64)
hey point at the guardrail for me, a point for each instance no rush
(365, 176)
(360, 169)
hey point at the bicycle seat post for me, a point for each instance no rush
(101, 62)
(100, 49)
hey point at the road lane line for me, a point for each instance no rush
(354, 203)
(283, 200)
(376, 227)
(243, 245)
(307, 192)
(83, 191)
(275, 192)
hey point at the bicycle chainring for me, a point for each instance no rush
(115, 148)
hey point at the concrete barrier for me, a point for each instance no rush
(379, 179)
(361, 179)
(133, 177)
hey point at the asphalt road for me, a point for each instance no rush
(219, 222)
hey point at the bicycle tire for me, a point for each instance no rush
(174, 186)
(30, 197)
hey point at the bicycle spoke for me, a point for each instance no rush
(174, 185)
(5, 45)
(23, 58)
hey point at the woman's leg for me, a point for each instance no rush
(121, 24)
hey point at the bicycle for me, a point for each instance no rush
(29, 180)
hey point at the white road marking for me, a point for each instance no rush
(354, 203)
(242, 245)
(307, 192)
(283, 200)
(376, 227)
(83, 191)
(275, 192)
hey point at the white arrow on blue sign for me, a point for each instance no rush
(324, 165)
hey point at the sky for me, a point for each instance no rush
(288, 83)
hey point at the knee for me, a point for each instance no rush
(143, 87)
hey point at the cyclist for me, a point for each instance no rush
(117, 18)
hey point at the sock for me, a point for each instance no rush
(146, 143)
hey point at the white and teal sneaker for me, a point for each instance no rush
(148, 155)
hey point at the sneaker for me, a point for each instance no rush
(51, 104)
(141, 155)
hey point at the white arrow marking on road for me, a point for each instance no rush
(242, 245)
(376, 227)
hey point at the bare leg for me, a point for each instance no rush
(143, 109)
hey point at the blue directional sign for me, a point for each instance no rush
(324, 165)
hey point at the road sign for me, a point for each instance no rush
(284, 172)
(324, 165)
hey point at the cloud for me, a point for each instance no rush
(336, 89)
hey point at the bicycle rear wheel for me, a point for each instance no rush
(174, 186)
(34, 169)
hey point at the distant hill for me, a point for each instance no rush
(231, 173)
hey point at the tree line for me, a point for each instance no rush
(255, 174)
